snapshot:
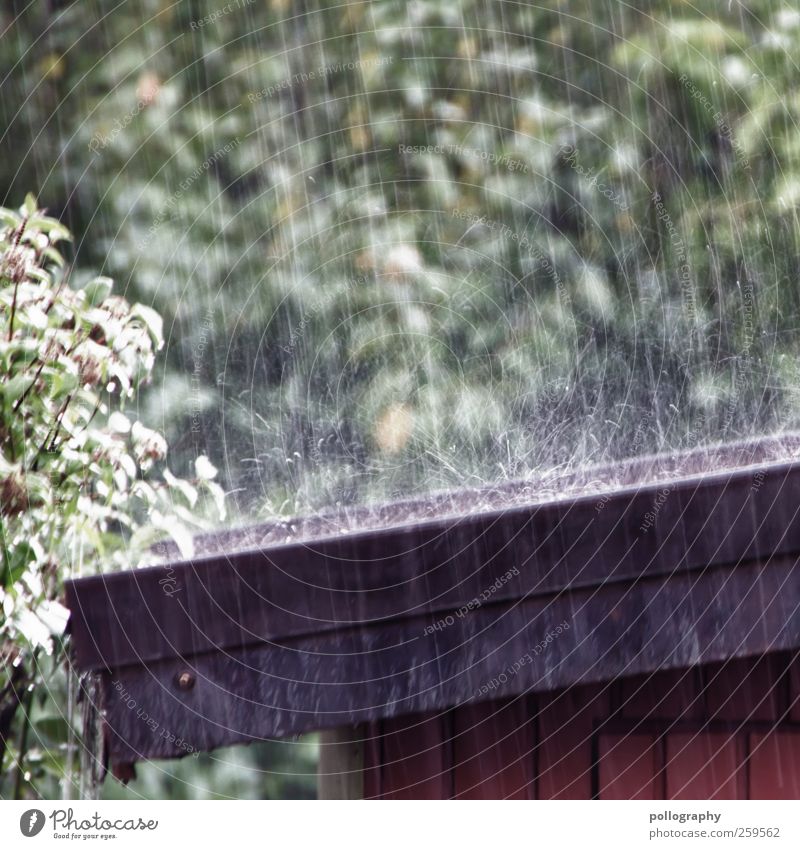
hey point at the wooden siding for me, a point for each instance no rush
(725, 731)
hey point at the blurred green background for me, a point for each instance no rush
(406, 246)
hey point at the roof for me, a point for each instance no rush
(599, 582)
(557, 484)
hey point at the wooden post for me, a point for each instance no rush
(340, 774)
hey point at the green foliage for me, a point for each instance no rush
(352, 316)
(75, 493)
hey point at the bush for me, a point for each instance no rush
(77, 493)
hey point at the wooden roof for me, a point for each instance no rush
(249, 641)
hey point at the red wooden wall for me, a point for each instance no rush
(725, 731)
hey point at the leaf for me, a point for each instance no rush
(64, 383)
(145, 537)
(126, 462)
(31, 204)
(9, 218)
(143, 490)
(13, 389)
(35, 317)
(204, 468)
(51, 227)
(34, 630)
(21, 555)
(152, 321)
(54, 616)
(5, 565)
(184, 487)
(119, 423)
(98, 289)
(54, 256)
(55, 728)
(38, 274)
(218, 494)
(180, 535)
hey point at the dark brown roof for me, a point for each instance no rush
(445, 602)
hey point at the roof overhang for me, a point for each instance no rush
(345, 629)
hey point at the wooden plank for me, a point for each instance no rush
(565, 757)
(493, 750)
(415, 764)
(340, 771)
(671, 695)
(628, 766)
(373, 759)
(745, 690)
(705, 765)
(774, 765)
(793, 684)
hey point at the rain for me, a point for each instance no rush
(421, 258)
(407, 248)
